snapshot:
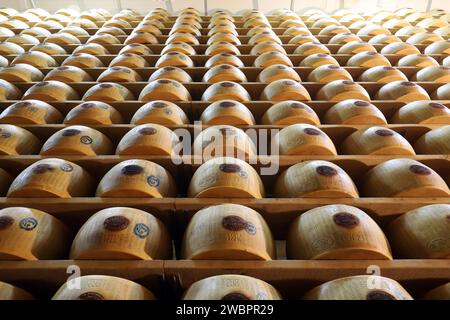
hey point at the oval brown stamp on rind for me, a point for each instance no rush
(116, 223)
(229, 167)
(234, 223)
(91, 296)
(346, 220)
(419, 169)
(235, 296)
(132, 169)
(6, 222)
(379, 295)
(326, 171)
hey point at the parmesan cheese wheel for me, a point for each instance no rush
(136, 179)
(302, 39)
(228, 232)
(303, 139)
(160, 112)
(376, 141)
(295, 31)
(21, 73)
(442, 93)
(311, 48)
(285, 89)
(265, 36)
(174, 59)
(30, 234)
(417, 60)
(368, 59)
(224, 72)
(400, 48)
(403, 91)
(62, 38)
(222, 48)
(226, 177)
(15, 140)
(433, 74)
(183, 37)
(421, 233)
(76, 31)
(36, 59)
(68, 74)
(173, 73)
(317, 60)
(224, 58)
(140, 36)
(9, 48)
(385, 39)
(3, 62)
(226, 90)
(403, 178)
(30, 112)
(340, 90)
(164, 89)
(51, 91)
(23, 39)
(77, 140)
(224, 37)
(422, 112)
(333, 29)
(270, 58)
(136, 48)
(276, 72)
(336, 232)
(227, 112)
(438, 293)
(10, 292)
(382, 74)
(129, 60)
(82, 60)
(355, 47)
(439, 47)
(108, 91)
(328, 73)
(434, 141)
(98, 287)
(51, 178)
(93, 113)
(261, 48)
(94, 49)
(181, 27)
(365, 287)
(353, 111)
(343, 38)
(148, 139)
(315, 179)
(103, 39)
(222, 28)
(372, 30)
(121, 233)
(49, 48)
(112, 31)
(290, 112)
(424, 38)
(119, 74)
(178, 47)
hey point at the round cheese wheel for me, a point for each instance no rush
(178, 47)
(37, 59)
(164, 89)
(62, 38)
(181, 27)
(141, 37)
(119, 74)
(52, 178)
(433, 74)
(329, 73)
(403, 178)
(261, 48)
(434, 141)
(421, 233)
(21, 73)
(340, 90)
(277, 72)
(103, 39)
(368, 59)
(224, 37)
(108, 91)
(376, 141)
(403, 91)
(51, 91)
(265, 36)
(270, 58)
(226, 90)
(112, 31)
(76, 31)
(160, 112)
(3, 62)
(231, 287)
(295, 31)
(173, 73)
(98, 287)
(422, 112)
(372, 30)
(30, 112)
(343, 38)
(136, 179)
(317, 60)
(14, 24)
(358, 288)
(222, 48)
(51, 49)
(400, 48)
(333, 29)
(424, 38)
(136, 48)
(227, 112)
(344, 233)
(221, 176)
(6, 32)
(353, 111)
(382, 74)
(302, 39)
(224, 72)
(129, 60)
(222, 28)
(93, 113)
(30, 234)
(224, 58)
(355, 47)
(311, 48)
(438, 293)
(315, 179)
(82, 60)
(121, 233)
(417, 60)
(303, 139)
(16, 140)
(285, 89)
(228, 232)
(183, 37)
(10, 292)
(68, 74)
(94, 49)
(290, 112)
(174, 59)
(442, 93)
(36, 31)
(9, 48)
(385, 39)
(23, 39)
(119, 23)
(439, 47)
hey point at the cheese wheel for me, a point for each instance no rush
(303, 139)
(227, 232)
(51, 49)
(417, 60)
(295, 31)
(178, 47)
(226, 177)
(77, 140)
(277, 72)
(433, 74)
(409, 31)
(108, 91)
(252, 23)
(35, 31)
(400, 48)
(30, 234)
(222, 48)
(226, 90)
(14, 24)
(434, 141)
(136, 179)
(173, 73)
(224, 72)
(329, 73)
(442, 93)
(368, 59)
(62, 38)
(119, 74)
(385, 39)
(376, 141)
(395, 23)
(336, 232)
(364, 287)
(51, 91)
(30, 112)
(317, 60)
(340, 90)
(98, 287)
(261, 48)
(76, 31)
(164, 89)
(265, 36)
(446, 61)
(21, 73)
(291, 23)
(6, 32)
(93, 113)
(421, 233)
(439, 47)
(382, 74)
(353, 111)
(372, 30)
(422, 112)
(129, 60)
(121, 233)
(52, 178)
(94, 49)
(231, 287)
(181, 27)
(10, 292)
(9, 48)
(355, 47)
(325, 22)
(270, 58)
(112, 31)
(103, 39)
(343, 38)
(403, 91)
(183, 37)
(148, 139)
(68, 74)
(119, 23)
(141, 37)
(290, 112)
(222, 28)
(224, 37)
(285, 89)
(82, 60)
(311, 48)
(37, 59)
(333, 29)
(160, 112)
(302, 39)
(315, 179)
(227, 112)
(3, 62)
(424, 38)
(403, 178)
(5, 181)
(444, 32)
(16, 140)
(136, 48)
(23, 39)
(224, 58)
(174, 59)
(438, 293)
